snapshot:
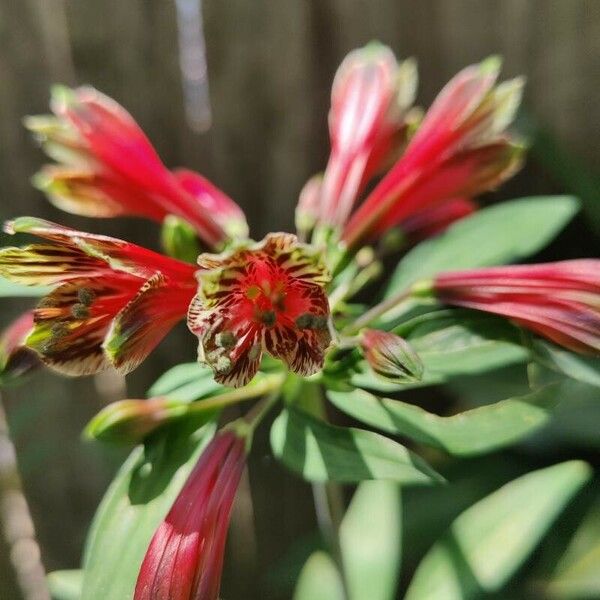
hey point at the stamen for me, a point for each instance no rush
(80, 311)
(86, 296)
(268, 318)
(226, 340)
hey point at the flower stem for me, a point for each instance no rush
(268, 384)
(377, 311)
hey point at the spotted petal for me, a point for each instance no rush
(72, 321)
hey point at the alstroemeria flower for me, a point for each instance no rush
(434, 219)
(109, 168)
(559, 301)
(460, 149)
(185, 558)
(370, 100)
(113, 303)
(267, 296)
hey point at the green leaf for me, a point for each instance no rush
(489, 541)
(468, 433)
(9, 289)
(371, 540)
(582, 368)
(496, 235)
(577, 574)
(186, 382)
(321, 452)
(320, 579)
(134, 505)
(65, 585)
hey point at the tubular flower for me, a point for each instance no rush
(113, 301)
(434, 219)
(15, 358)
(368, 121)
(267, 296)
(185, 557)
(559, 301)
(460, 149)
(109, 168)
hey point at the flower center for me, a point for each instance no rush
(268, 299)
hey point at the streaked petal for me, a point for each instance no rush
(144, 321)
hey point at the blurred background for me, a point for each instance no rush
(270, 66)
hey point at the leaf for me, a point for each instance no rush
(186, 382)
(9, 289)
(488, 542)
(496, 235)
(321, 452)
(468, 433)
(577, 574)
(136, 502)
(65, 585)
(582, 368)
(370, 541)
(320, 579)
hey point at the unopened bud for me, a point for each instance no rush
(130, 421)
(16, 359)
(179, 239)
(391, 356)
(307, 211)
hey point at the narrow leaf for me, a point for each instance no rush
(320, 579)
(321, 452)
(472, 432)
(489, 541)
(371, 539)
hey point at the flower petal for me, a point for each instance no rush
(144, 321)
(72, 321)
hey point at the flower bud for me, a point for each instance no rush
(179, 239)
(185, 557)
(391, 356)
(16, 359)
(307, 211)
(130, 421)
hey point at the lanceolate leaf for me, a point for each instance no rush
(577, 574)
(496, 235)
(134, 505)
(489, 541)
(371, 540)
(472, 432)
(320, 579)
(321, 452)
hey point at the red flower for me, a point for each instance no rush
(460, 149)
(370, 99)
(114, 301)
(185, 557)
(268, 296)
(434, 219)
(559, 301)
(15, 358)
(109, 168)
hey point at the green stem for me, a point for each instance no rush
(268, 384)
(377, 311)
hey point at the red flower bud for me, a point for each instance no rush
(391, 356)
(185, 557)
